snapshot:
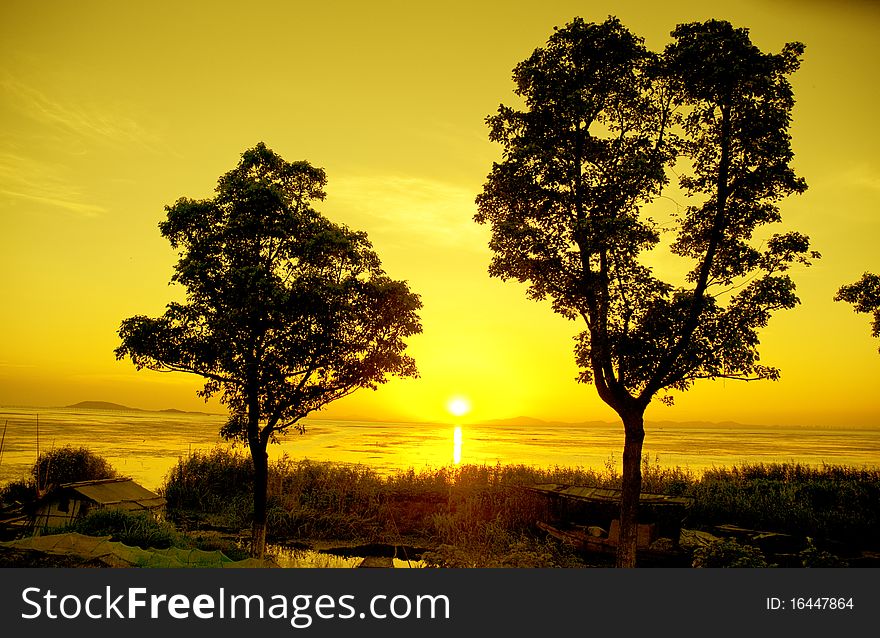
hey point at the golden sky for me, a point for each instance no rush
(112, 110)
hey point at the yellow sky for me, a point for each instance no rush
(112, 110)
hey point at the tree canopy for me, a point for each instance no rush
(864, 295)
(605, 122)
(69, 465)
(285, 311)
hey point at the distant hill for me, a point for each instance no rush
(176, 411)
(116, 407)
(517, 420)
(526, 421)
(103, 405)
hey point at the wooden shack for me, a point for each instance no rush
(70, 501)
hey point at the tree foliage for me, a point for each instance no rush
(605, 121)
(279, 299)
(70, 464)
(864, 295)
(285, 311)
(589, 152)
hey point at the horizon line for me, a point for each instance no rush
(520, 421)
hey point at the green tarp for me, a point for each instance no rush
(114, 554)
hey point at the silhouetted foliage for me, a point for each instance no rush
(604, 120)
(70, 465)
(285, 311)
(21, 491)
(864, 295)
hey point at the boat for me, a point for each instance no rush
(587, 518)
(606, 495)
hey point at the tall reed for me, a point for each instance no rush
(480, 504)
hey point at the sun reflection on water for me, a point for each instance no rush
(456, 445)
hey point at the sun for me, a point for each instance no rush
(458, 406)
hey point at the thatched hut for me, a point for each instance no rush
(70, 501)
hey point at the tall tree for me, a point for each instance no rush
(284, 313)
(603, 120)
(864, 295)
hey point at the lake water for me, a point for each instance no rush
(146, 445)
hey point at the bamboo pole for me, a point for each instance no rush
(3, 440)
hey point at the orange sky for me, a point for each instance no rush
(112, 110)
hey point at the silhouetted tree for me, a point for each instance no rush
(284, 313)
(589, 149)
(864, 295)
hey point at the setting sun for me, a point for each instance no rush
(458, 406)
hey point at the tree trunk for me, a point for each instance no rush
(261, 483)
(634, 427)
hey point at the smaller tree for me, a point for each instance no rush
(285, 311)
(864, 295)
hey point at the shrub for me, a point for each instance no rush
(70, 465)
(17, 492)
(811, 556)
(826, 502)
(209, 481)
(135, 529)
(729, 553)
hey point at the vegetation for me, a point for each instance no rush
(729, 553)
(140, 529)
(21, 491)
(67, 464)
(603, 123)
(135, 529)
(477, 516)
(864, 295)
(829, 502)
(70, 465)
(285, 311)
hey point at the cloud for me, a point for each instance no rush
(37, 181)
(426, 211)
(43, 144)
(863, 176)
(72, 119)
(84, 209)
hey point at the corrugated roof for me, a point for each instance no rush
(114, 491)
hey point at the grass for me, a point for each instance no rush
(133, 529)
(474, 509)
(140, 529)
(828, 502)
(476, 515)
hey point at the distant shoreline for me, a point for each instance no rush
(520, 421)
(106, 406)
